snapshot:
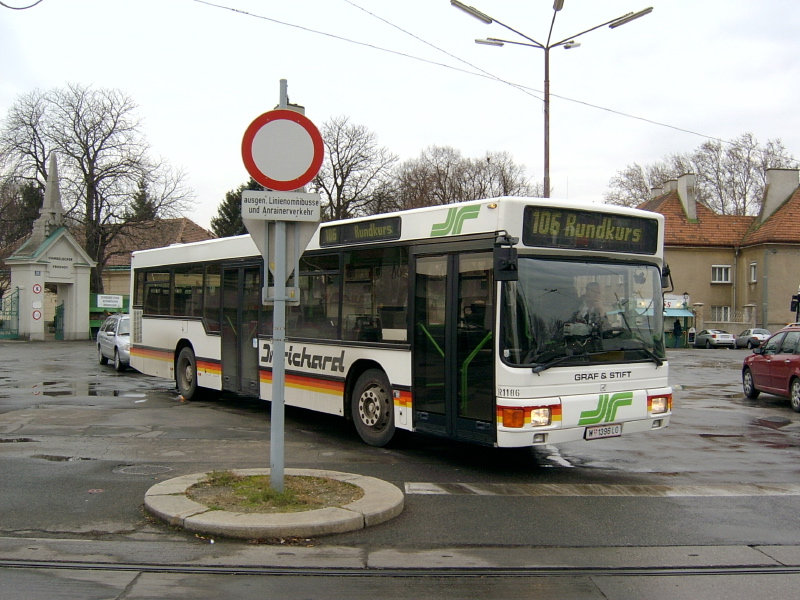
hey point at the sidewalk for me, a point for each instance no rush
(209, 552)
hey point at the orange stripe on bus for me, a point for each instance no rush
(403, 398)
(204, 366)
(311, 384)
(150, 353)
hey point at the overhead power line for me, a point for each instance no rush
(477, 72)
(3, 4)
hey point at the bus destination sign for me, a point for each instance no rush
(587, 230)
(362, 232)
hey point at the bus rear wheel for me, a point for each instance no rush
(373, 408)
(186, 374)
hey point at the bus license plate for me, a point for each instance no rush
(603, 431)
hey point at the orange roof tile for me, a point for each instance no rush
(153, 234)
(709, 229)
(781, 227)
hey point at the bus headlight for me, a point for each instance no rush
(516, 417)
(659, 404)
(540, 416)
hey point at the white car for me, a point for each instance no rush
(114, 341)
(752, 338)
(714, 338)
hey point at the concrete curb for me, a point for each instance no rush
(381, 501)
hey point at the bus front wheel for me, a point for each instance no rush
(186, 374)
(373, 408)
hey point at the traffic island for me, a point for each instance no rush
(381, 501)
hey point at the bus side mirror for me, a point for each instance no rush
(666, 278)
(505, 264)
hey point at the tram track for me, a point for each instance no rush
(441, 572)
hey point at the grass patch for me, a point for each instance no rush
(224, 490)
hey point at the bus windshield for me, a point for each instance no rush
(569, 313)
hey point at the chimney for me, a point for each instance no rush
(670, 185)
(686, 193)
(781, 184)
(656, 192)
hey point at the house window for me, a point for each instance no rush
(720, 274)
(720, 313)
(753, 272)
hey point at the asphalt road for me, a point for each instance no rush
(80, 444)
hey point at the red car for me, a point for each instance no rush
(774, 367)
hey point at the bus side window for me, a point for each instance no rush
(188, 293)
(310, 318)
(156, 292)
(211, 295)
(317, 314)
(394, 327)
(364, 328)
(376, 295)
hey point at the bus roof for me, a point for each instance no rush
(485, 216)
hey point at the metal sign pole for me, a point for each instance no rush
(277, 410)
(286, 133)
(276, 444)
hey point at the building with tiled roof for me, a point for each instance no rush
(116, 272)
(739, 271)
(143, 236)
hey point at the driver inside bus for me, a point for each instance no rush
(591, 309)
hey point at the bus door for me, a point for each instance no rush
(453, 364)
(241, 297)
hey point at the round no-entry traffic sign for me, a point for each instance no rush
(282, 150)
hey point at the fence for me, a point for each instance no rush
(9, 316)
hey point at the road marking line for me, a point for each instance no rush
(580, 489)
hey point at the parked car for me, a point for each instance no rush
(774, 367)
(752, 338)
(114, 341)
(714, 338)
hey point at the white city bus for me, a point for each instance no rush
(467, 321)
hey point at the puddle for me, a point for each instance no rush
(91, 389)
(142, 469)
(16, 440)
(56, 458)
(773, 422)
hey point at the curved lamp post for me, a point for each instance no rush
(567, 43)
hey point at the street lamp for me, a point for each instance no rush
(567, 43)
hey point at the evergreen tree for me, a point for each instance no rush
(142, 206)
(228, 221)
(19, 208)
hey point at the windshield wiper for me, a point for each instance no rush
(584, 357)
(652, 355)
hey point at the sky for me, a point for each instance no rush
(410, 72)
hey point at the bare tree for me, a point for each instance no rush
(629, 187)
(496, 174)
(435, 177)
(103, 160)
(731, 176)
(441, 175)
(354, 170)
